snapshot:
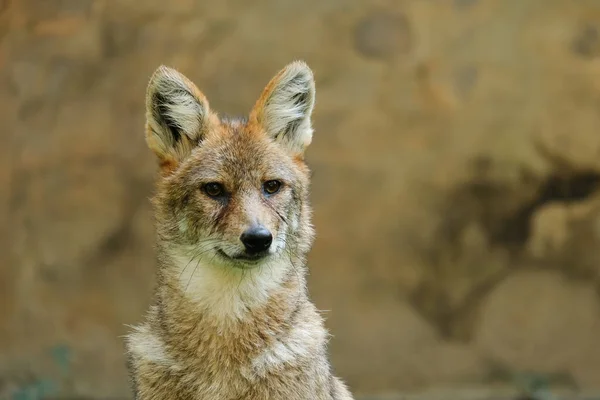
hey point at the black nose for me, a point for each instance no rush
(257, 238)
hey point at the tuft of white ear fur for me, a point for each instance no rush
(176, 112)
(285, 107)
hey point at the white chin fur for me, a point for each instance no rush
(223, 291)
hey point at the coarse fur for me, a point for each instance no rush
(224, 325)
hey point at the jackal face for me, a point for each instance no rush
(232, 192)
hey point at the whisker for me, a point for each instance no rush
(242, 275)
(195, 253)
(295, 268)
(276, 212)
(192, 275)
(198, 263)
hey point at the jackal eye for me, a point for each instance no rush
(214, 189)
(272, 186)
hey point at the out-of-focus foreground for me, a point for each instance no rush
(456, 183)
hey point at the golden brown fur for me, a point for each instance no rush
(223, 325)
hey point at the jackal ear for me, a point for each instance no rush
(176, 115)
(285, 107)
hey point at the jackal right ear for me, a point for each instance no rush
(285, 106)
(176, 115)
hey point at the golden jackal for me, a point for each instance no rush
(231, 317)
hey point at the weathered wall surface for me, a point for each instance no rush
(456, 166)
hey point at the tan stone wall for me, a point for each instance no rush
(456, 180)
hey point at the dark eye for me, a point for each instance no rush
(272, 187)
(214, 189)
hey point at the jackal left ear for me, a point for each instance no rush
(176, 116)
(285, 107)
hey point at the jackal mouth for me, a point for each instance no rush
(247, 258)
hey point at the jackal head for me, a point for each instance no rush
(233, 192)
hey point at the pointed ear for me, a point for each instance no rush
(285, 107)
(176, 116)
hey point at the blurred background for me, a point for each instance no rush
(456, 183)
